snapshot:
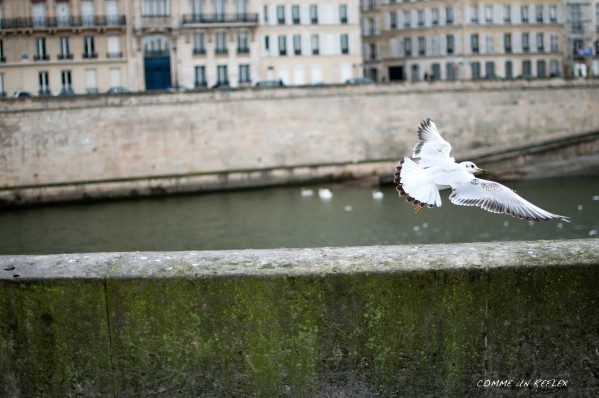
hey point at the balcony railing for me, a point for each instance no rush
(242, 18)
(65, 56)
(89, 55)
(42, 57)
(115, 54)
(53, 22)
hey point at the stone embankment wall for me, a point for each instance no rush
(144, 144)
(406, 321)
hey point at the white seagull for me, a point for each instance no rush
(420, 183)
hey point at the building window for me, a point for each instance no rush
(507, 42)
(221, 75)
(112, 12)
(243, 43)
(244, 74)
(436, 75)
(267, 44)
(281, 15)
(392, 20)
(507, 14)
(197, 9)
(265, 14)
(343, 13)
(114, 47)
(436, 45)
(475, 69)
(420, 17)
(421, 46)
(115, 77)
(63, 14)
(372, 30)
(449, 17)
(415, 72)
(488, 14)
(282, 45)
(450, 44)
(576, 17)
(474, 43)
(407, 45)
(2, 56)
(65, 48)
(91, 81)
(221, 43)
(67, 83)
(297, 44)
(553, 14)
(156, 8)
(526, 69)
(524, 14)
(489, 69)
(89, 48)
(198, 44)
(489, 44)
(577, 46)
(540, 42)
(474, 14)
(553, 42)
(525, 42)
(539, 14)
(200, 76)
(372, 51)
(315, 44)
(451, 71)
(2, 86)
(435, 16)
(407, 19)
(39, 14)
(241, 7)
(554, 68)
(344, 44)
(313, 14)
(541, 68)
(509, 70)
(44, 86)
(40, 50)
(295, 14)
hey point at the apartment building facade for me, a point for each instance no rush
(49, 46)
(90, 46)
(469, 39)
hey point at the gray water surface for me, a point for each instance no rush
(281, 217)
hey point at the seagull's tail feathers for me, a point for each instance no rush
(414, 184)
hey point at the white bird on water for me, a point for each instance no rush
(306, 192)
(325, 193)
(377, 195)
(420, 183)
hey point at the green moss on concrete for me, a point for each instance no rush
(307, 323)
(55, 339)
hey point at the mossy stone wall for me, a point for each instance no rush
(407, 321)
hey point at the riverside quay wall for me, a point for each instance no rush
(465, 320)
(152, 144)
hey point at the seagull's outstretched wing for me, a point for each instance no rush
(431, 148)
(497, 198)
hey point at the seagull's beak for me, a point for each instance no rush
(479, 170)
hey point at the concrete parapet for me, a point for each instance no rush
(480, 319)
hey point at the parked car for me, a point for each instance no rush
(270, 83)
(22, 94)
(222, 86)
(359, 80)
(64, 92)
(118, 90)
(178, 87)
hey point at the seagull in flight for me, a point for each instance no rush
(421, 182)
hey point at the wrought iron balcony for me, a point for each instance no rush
(61, 23)
(222, 19)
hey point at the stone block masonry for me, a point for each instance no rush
(85, 147)
(479, 319)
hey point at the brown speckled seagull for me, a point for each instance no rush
(420, 182)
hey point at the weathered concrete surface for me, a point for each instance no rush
(433, 320)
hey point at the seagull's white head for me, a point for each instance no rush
(471, 167)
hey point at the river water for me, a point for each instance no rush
(282, 217)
